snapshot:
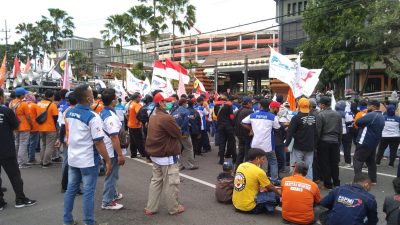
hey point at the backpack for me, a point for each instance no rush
(142, 115)
(194, 122)
(124, 139)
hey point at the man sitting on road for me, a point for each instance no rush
(351, 204)
(299, 195)
(249, 178)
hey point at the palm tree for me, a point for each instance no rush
(62, 27)
(182, 15)
(140, 15)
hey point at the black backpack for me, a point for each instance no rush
(142, 115)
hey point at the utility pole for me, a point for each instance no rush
(6, 31)
(216, 75)
(246, 71)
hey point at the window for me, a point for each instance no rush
(300, 4)
(305, 5)
(288, 9)
(294, 9)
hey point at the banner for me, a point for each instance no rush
(119, 90)
(146, 87)
(281, 68)
(133, 84)
(158, 83)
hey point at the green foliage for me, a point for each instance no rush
(138, 72)
(119, 30)
(80, 63)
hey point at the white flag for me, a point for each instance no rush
(158, 83)
(133, 84)
(282, 68)
(119, 90)
(146, 87)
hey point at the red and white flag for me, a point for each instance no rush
(181, 87)
(3, 71)
(27, 68)
(159, 68)
(16, 68)
(66, 76)
(173, 70)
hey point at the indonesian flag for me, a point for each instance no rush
(16, 68)
(159, 68)
(3, 71)
(27, 68)
(173, 70)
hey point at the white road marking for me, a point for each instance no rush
(382, 174)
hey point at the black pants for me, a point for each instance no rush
(227, 145)
(11, 168)
(393, 143)
(347, 140)
(280, 156)
(244, 146)
(364, 155)
(136, 142)
(316, 170)
(205, 141)
(196, 143)
(328, 160)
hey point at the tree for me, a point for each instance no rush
(334, 42)
(119, 30)
(140, 15)
(80, 63)
(182, 15)
(61, 27)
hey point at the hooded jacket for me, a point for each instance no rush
(163, 135)
(370, 132)
(392, 123)
(347, 117)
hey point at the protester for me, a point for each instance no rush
(85, 143)
(329, 130)
(204, 140)
(351, 204)
(120, 111)
(181, 116)
(34, 136)
(279, 138)
(224, 186)
(97, 105)
(369, 135)
(225, 130)
(111, 126)
(303, 129)
(390, 136)
(347, 122)
(391, 204)
(299, 195)
(8, 157)
(21, 109)
(194, 128)
(242, 134)
(250, 184)
(164, 148)
(48, 134)
(135, 128)
(260, 125)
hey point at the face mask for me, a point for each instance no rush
(168, 106)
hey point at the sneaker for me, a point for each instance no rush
(119, 196)
(193, 168)
(24, 166)
(96, 223)
(112, 206)
(2, 205)
(33, 162)
(57, 160)
(348, 165)
(73, 223)
(45, 166)
(20, 203)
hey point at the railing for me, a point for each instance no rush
(380, 95)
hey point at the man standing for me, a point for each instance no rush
(303, 129)
(329, 130)
(48, 134)
(164, 147)
(97, 105)
(204, 141)
(21, 110)
(85, 142)
(225, 129)
(369, 135)
(351, 204)
(243, 134)
(8, 157)
(111, 126)
(34, 136)
(181, 116)
(260, 124)
(299, 195)
(135, 128)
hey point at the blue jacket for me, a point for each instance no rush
(350, 204)
(392, 123)
(181, 116)
(370, 132)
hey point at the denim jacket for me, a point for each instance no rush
(181, 116)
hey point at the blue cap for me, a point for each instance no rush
(246, 99)
(20, 91)
(68, 94)
(228, 165)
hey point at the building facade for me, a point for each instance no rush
(291, 33)
(198, 47)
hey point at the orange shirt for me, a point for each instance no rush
(32, 111)
(21, 110)
(48, 125)
(132, 111)
(97, 106)
(298, 197)
(358, 116)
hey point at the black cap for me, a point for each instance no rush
(325, 100)
(375, 103)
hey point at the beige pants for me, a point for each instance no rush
(187, 159)
(47, 142)
(166, 177)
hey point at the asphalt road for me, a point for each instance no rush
(197, 194)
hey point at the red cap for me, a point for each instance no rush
(274, 104)
(158, 98)
(170, 99)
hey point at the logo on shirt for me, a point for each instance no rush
(240, 181)
(349, 202)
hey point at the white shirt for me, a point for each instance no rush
(262, 123)
(111, 126)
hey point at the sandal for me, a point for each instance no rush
(181, 209)
(147, 212)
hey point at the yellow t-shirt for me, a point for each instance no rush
(248, 179)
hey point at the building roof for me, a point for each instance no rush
(251, 54)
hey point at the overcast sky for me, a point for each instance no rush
(89, 15)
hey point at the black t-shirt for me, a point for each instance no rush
(8, 123)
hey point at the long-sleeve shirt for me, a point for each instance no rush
(303, 129)
(370, 132)
(329, 126)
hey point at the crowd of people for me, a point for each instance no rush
(90, 132)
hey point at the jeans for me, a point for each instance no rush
(21, 145)
(328, 159)
(393, 143)
(273, 165)
(34, 139)
(64, 168)
(89, 178)
(364, 155)
(110, 183)
(307, 157)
